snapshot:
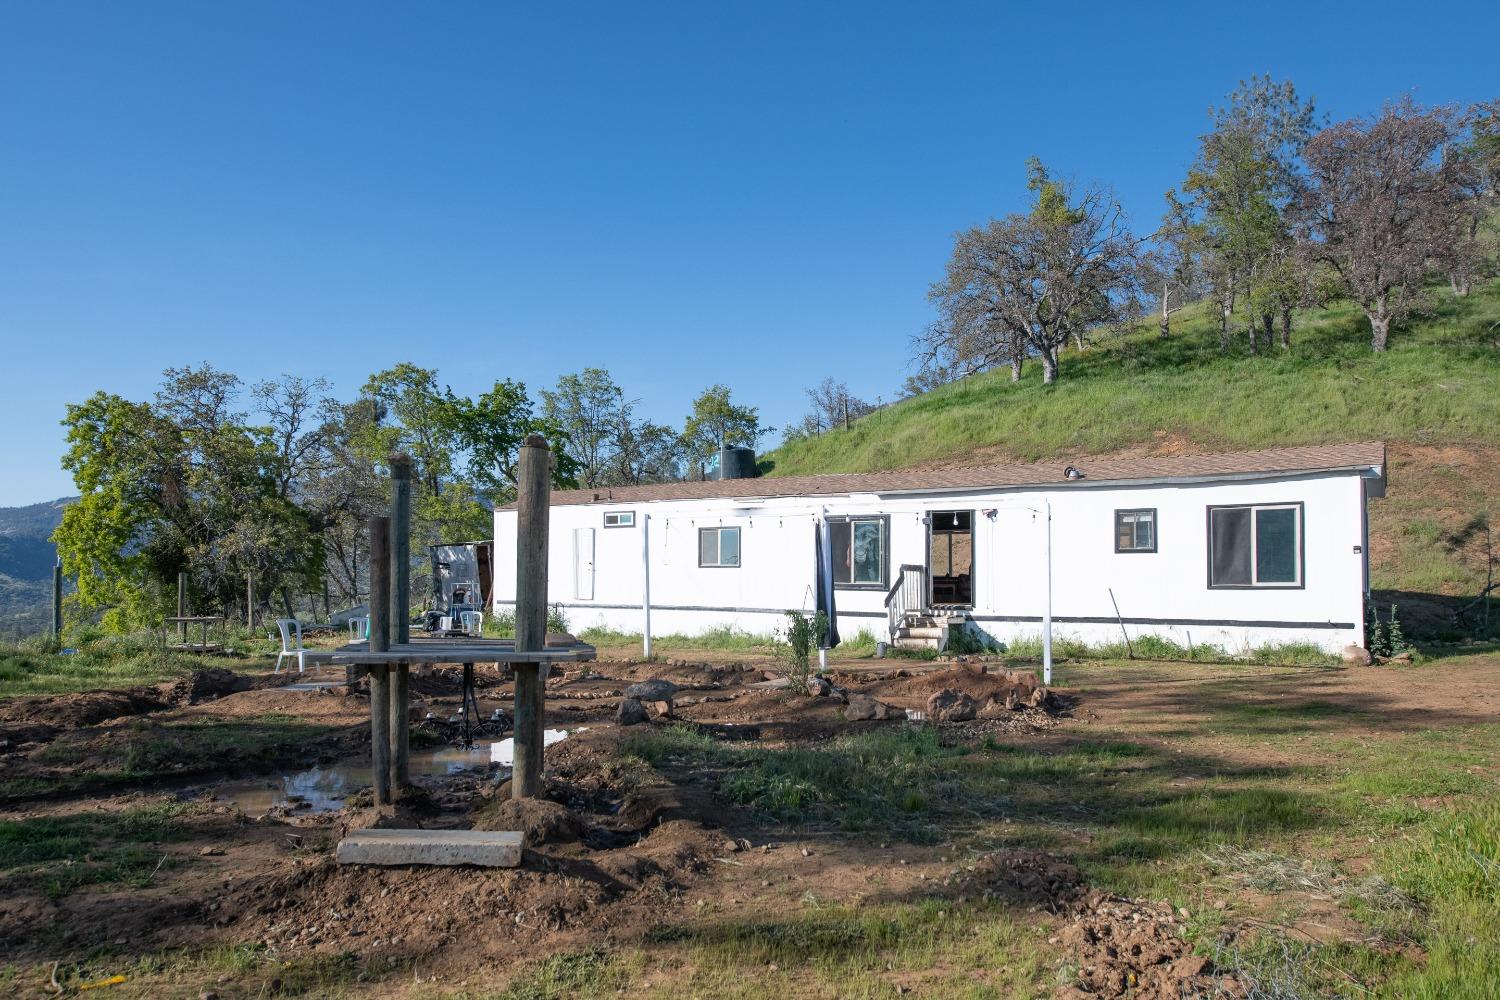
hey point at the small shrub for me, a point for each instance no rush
(799, 638)
(965, 641)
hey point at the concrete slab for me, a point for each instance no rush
(491, 849)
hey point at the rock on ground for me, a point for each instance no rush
(631, 712)
(1357, 656)
(948, 705)
(653, 689)
(862, 707)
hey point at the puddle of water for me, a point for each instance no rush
(311, 685)
(324, 789)
(503, 752)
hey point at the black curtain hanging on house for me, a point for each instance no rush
(823, 568)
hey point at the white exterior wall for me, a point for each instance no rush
(1164, 593)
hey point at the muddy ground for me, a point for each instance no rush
(619, 848)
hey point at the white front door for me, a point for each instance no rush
(583, 564)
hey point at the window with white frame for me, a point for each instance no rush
(1135, 530)
(619, 519)
(1255, 545)
(719, 547)
(860, 548)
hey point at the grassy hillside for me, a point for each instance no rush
(1435, 397)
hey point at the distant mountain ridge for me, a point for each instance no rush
(27, 556)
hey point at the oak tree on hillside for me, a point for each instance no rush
(1380, 206)
(1032, 283)
(1232, 214)
(1472, 248)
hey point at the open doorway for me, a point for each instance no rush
(950, 557)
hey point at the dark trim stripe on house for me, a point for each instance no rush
(1036, 619)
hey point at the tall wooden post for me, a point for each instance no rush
(57, 602)
(400, 619)
(533, 496)
(400, 548)
(380, 677)
(182, 605)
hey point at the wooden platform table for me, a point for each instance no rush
(389, 744)
(182, 622)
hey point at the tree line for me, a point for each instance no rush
(1278, 210)
(259, 493)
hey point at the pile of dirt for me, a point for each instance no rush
(1124, 947)
(206, 685)
(1026, 877)
(541, 821)
(568, 892)
(44, 716)
(972, 680)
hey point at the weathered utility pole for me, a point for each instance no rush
(533, 497)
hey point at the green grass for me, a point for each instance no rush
(62, 853)
(722, 638)
(143, 751)
(30, 669)
(1440, 381)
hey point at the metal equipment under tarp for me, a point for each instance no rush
(461, 577)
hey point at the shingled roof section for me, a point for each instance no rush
(1274, 461)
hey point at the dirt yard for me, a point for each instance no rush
(1143, 829)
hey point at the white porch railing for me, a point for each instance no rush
(907, 595)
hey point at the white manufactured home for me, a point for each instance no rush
(1232, 550)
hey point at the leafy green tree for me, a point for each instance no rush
(181, 484)
(1232, 214)
(589, 409)
(718, 422)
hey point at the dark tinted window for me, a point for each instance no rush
(1229, 547)
(1276, 545)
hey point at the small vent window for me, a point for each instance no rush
(619, 519)
(1135, 530)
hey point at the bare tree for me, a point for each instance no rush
(1032, 283)
(1169, 274)
(833, 405)
(1470, 249)
(1380, 204)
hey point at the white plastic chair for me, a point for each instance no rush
(473, 622)
(359, 628)
(290, 627)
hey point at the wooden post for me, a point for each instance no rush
(57, 602)
(182, 606)
(533, 496)
(380, 583)
(400, 619)
(380, 677)
(400, 548)
(250, 601)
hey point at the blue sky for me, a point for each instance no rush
(753, 193)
